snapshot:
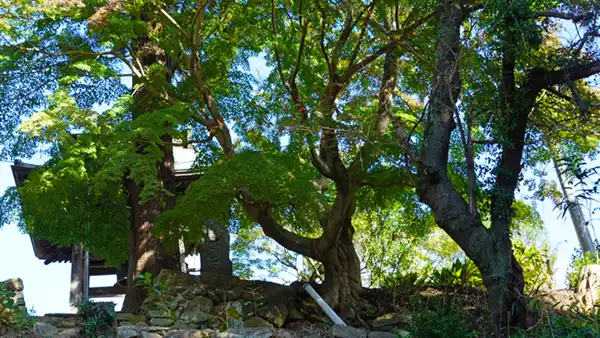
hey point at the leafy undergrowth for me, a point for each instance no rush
(461, 312)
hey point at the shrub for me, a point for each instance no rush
(578, 261)
(443, 323)
(10, 314)
(98, 318)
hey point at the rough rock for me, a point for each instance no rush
(247, 333)
(297, 325)
(179, 325)
(589, 285)
(145, 334)
(69, 333)
(44, 329)
(340, 331)
(274, 313)
(61, 321)
(158, 314)
(214, 250)
(256, 321)
(126, 332)
(161, 322)
(189, 334)
(294, 314)
(175, 279)
(141, 325)
(200, 303)
(283, 334)
(124, 316)
(197, 310)
(391, 320)
(380, 334)
(156, 329)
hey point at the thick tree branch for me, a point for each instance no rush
(173, 22)
(197, 24)
(398, 40)
(259, 212)
(362, 34)
(434, 186)
(566, 16)
(343, 38)
(559, 94)
(543, 79)
(583, 108)
(322, 40)
(367, 153)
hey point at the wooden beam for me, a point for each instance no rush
(76, 290)
(106, 291)
(102, 270)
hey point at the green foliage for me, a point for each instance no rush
(536, 264)
(12, 315)
(256, 299)
(578, 261)
(7, 305)
(459, 273)
(442, 323)
(158, 293)
(534, 260)
(551, 325)
(98, 318)
(404, 280)
(10, 208)
(62, 204)
(284, 179)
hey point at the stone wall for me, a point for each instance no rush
(193, 302)
(193, 306)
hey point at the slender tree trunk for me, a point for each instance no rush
(575, 211)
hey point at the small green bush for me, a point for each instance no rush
(98, 318)
(578, 261)
(10, 314)
(564, 326)
(442, 323)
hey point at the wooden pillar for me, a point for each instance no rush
(76, 291)
(86, 274)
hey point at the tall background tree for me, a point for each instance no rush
(520, 75)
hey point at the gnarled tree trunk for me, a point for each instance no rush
(342, 284)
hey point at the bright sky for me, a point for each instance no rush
(47, 286)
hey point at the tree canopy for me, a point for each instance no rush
(378, 122)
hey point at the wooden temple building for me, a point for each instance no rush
(85, 265)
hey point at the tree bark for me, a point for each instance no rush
(146, 253)
(342, 284)
(490, 249)
(505, 284)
